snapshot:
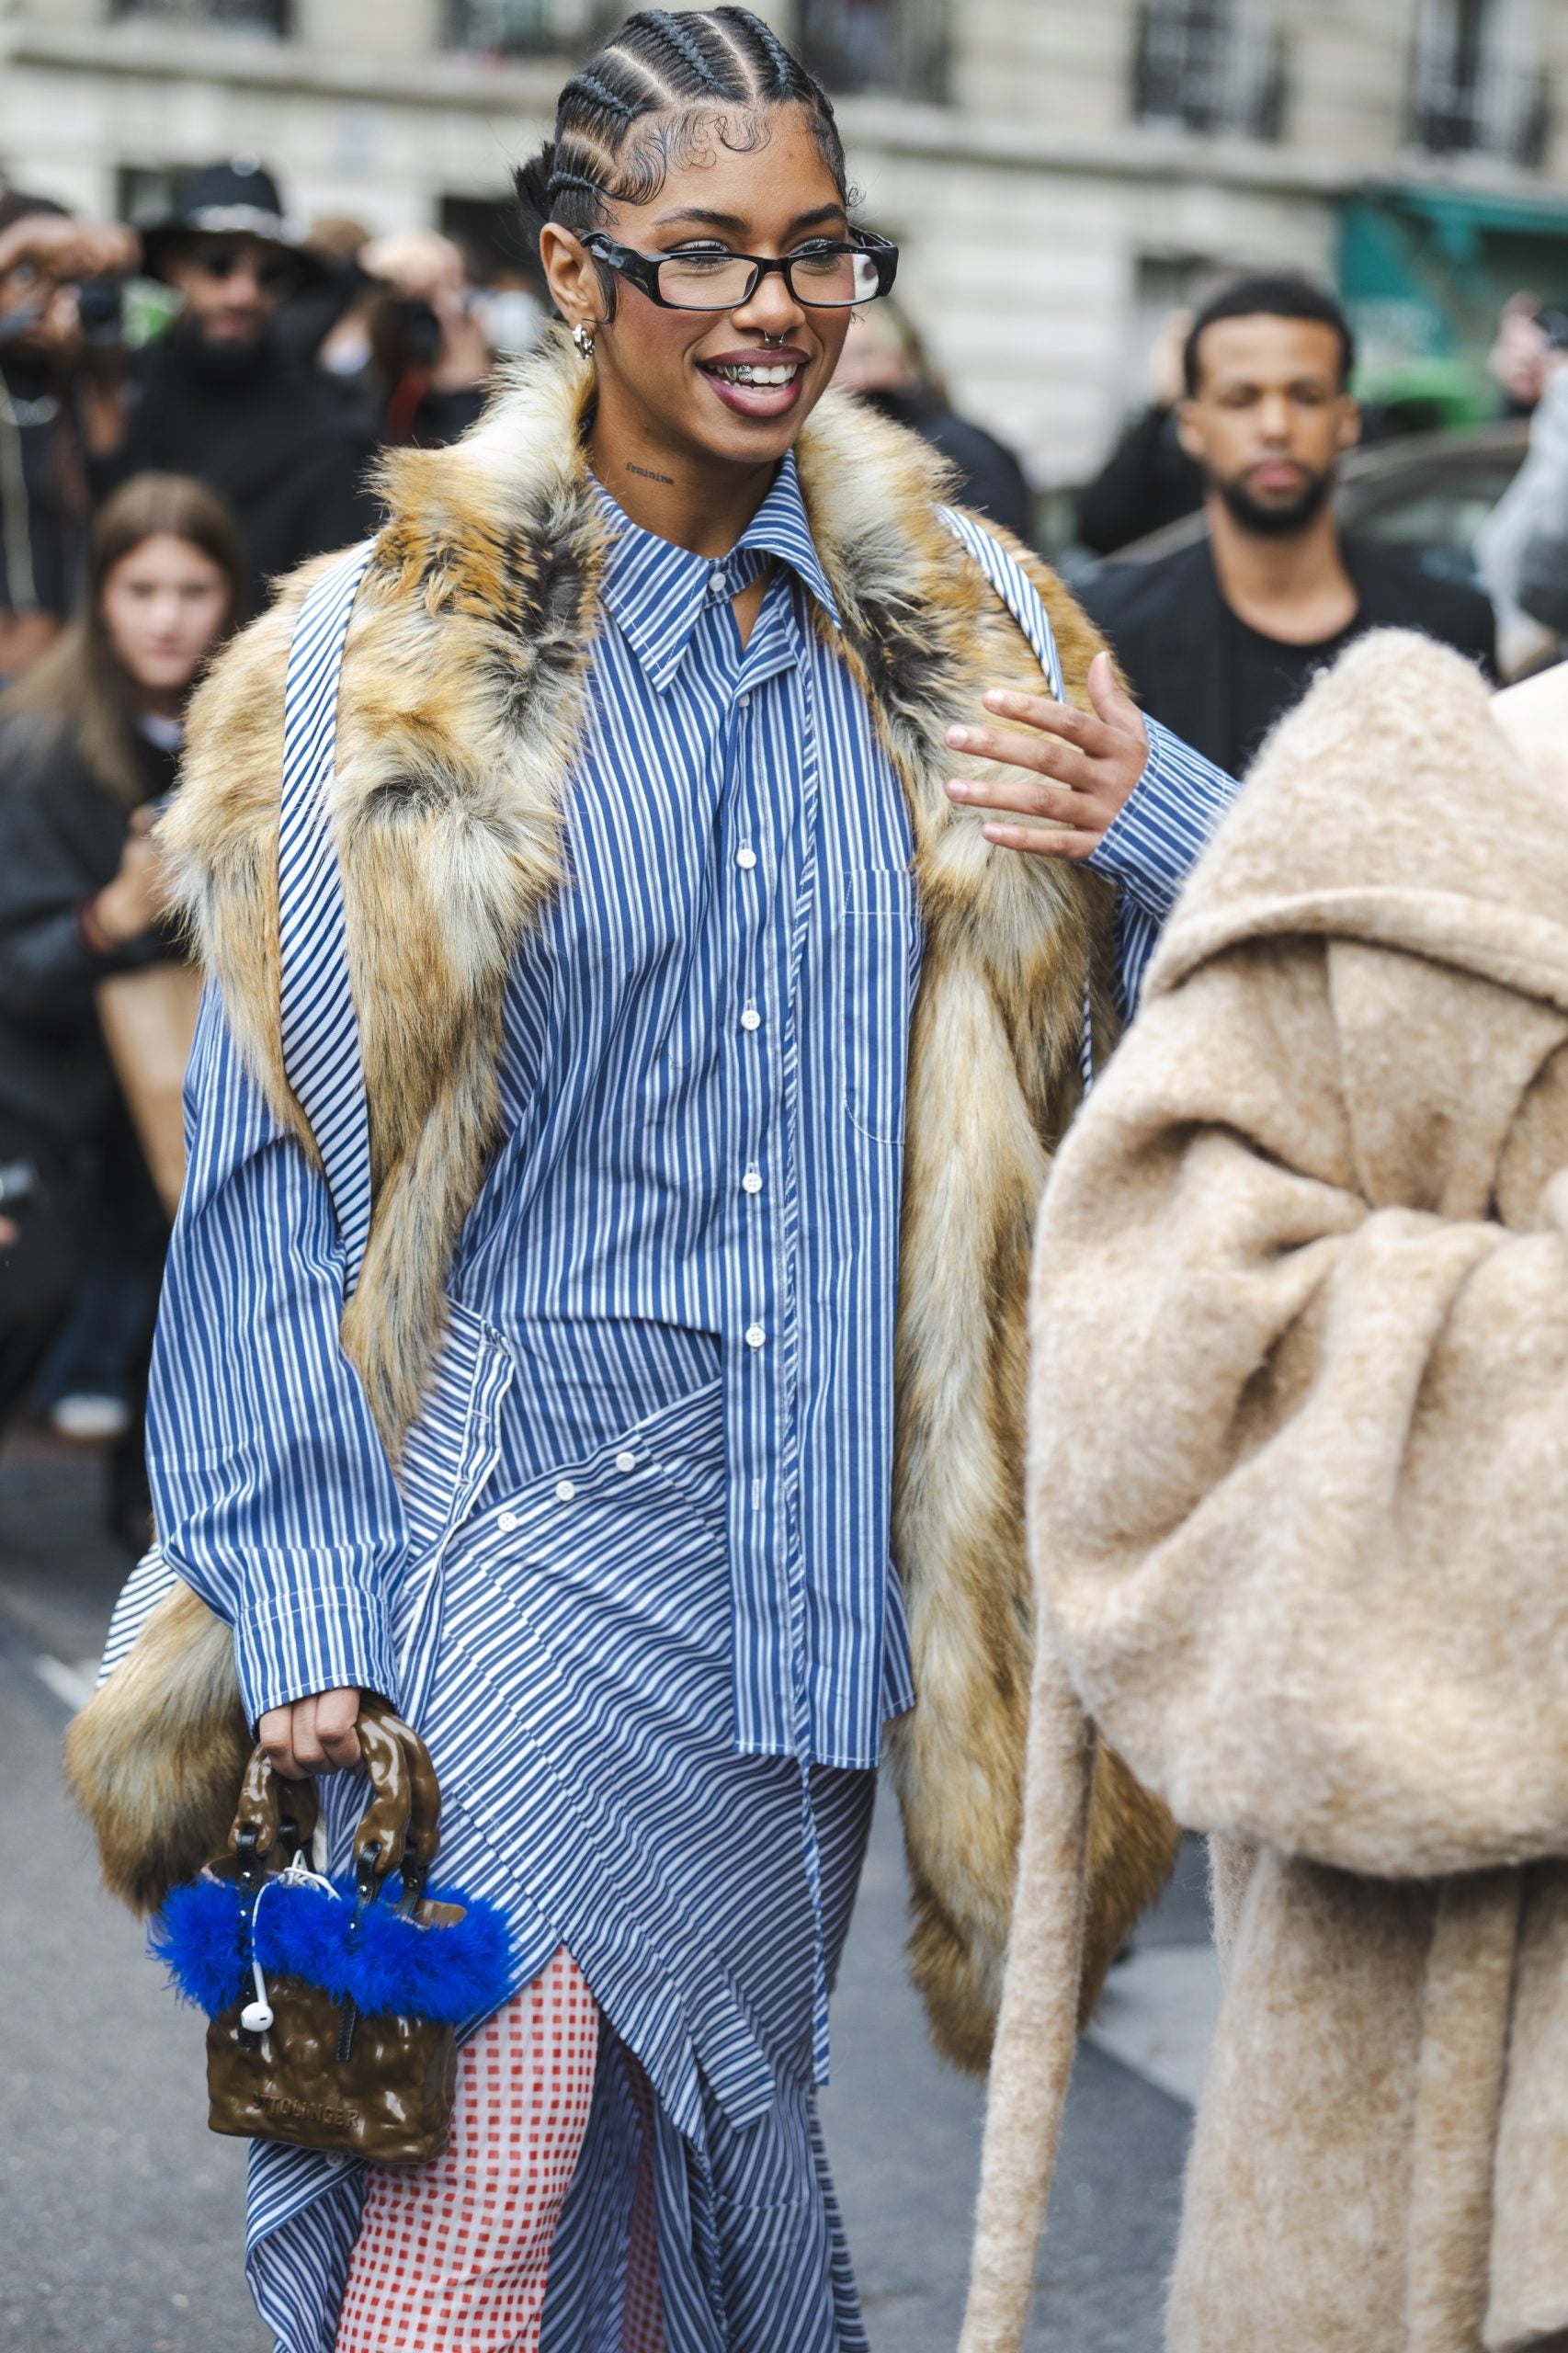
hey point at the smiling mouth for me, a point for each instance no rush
(759, 372)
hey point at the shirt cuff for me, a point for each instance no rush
(328, 1641)
(1158, 835)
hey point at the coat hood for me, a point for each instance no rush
(1396, 752)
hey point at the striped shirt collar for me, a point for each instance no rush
(658, 592)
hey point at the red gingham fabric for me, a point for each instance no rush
(455, 2253)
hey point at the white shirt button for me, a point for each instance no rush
(743, 702)
(505, 1521)
(625, 1461)
(718, 582)
(752, 1181)
(745, 859)
(751, 1019)
(755, 1335)
(564, 1490)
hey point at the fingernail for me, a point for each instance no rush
(957, 791)
(959, 737)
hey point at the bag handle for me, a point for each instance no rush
(272, 1814)
(401, 1827)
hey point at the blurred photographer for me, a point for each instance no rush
(1519, 361)
(430, 356)
(89, 744)
(885, 362)
(222, 397)
(1523, 547)
(53, 270)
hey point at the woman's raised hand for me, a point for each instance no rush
(1078, 768)
(313, 1735)
(130, 904)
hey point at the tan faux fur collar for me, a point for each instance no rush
(462, 701)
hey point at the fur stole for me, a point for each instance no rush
(463, 688)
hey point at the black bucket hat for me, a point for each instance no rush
(234, 199)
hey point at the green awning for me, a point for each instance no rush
(1425, 269)
(1459, 212)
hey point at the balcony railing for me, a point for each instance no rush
(230, 16)
(1210, 65)
(528, 28)
(1490, 104)
(896, 47)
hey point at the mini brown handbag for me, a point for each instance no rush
(332, 2006)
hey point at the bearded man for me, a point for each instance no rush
(1222, 638)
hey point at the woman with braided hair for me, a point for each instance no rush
(722, 917)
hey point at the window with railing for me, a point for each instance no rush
(1213, 65)
(527, 28)
(1480, 87)
(232, 16)
(895, 46)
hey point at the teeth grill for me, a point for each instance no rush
(747, 375)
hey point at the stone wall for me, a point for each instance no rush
(1035, 216)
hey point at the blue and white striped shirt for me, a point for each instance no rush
(702, 1085)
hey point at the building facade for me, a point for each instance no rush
(1057, 175)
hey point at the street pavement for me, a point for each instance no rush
(120, 2214)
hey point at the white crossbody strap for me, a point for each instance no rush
(319, 1027)
(1014, 587)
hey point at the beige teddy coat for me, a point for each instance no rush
(1298, 1498)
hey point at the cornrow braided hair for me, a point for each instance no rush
(666, 82)
(599, 96)
(672, 32)
(559, 180)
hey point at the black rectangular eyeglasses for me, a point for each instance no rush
(826, 276)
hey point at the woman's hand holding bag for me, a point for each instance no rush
(332, 2005)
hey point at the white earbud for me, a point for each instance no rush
(257, 2016)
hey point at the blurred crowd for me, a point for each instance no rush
(192, 408)
(186, 411)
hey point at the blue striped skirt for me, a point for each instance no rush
(565, 1650)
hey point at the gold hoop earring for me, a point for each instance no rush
(582, 338)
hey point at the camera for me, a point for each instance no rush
(100, 312)
(406, 334)
(18, 1184)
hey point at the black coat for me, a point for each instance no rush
(1165, 620)
(1147, 482)
(990, 478)
(42, 492)
(61, 833)
(269, 431)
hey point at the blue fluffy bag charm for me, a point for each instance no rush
(333, 2005)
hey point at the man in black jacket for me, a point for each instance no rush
(1220, 638)
(219, 396)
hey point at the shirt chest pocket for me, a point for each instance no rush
(877, 940)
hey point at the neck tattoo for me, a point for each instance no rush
(649, 476)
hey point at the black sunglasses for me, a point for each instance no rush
(831, 276)
(273, 271)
